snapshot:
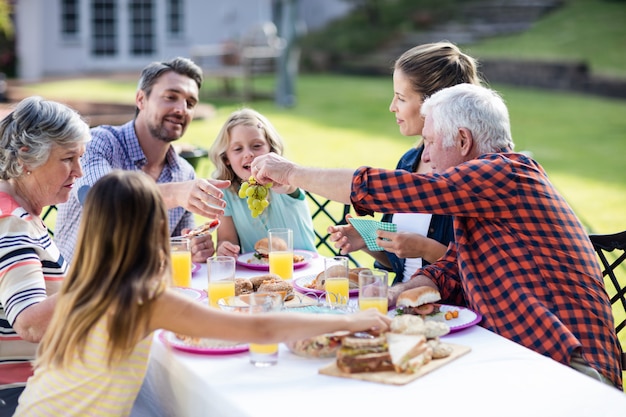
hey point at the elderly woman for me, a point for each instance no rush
(40, 145)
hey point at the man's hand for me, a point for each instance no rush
(199, 196)
(202, 247)
(272, 167)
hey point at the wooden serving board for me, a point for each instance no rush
(396, 378)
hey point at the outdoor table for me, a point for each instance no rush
(496, 378)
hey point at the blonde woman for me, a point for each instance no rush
(94, 355)
(245, 135)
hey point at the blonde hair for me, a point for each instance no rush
(241, 117)
(433, 66)
(121, 265)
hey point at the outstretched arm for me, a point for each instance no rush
(334, 184)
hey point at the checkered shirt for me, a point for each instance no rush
(521, 257)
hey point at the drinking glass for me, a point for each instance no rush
(281, 252)
(373, 286)
(262, 355)
(336, 282)
(181, 261)
(221, 275)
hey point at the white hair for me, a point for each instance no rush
(480, 110)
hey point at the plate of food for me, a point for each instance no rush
(260, 262)
(202, 346)
(423, 302)
(315, 283)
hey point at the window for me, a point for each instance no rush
(175, 17)
(104, 27)
(70, 18)
(142, 27)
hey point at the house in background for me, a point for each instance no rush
(74, 37)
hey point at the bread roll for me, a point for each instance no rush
(243, 286)
(258, 280)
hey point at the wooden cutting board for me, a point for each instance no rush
(395, 378)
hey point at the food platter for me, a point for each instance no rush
(300, 285)
(467, 318)
(204, 347)
(248, 260)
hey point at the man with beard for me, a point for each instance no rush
(166, 98)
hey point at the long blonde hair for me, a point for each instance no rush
(120, 266)
(242, 117)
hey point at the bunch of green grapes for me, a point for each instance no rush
(256, 194)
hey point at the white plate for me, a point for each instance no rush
(300, 285)
(467, 317)
(248, 260)
(191, 293)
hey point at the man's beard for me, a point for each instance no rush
(161, 133)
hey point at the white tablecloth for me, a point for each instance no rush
(497, 378)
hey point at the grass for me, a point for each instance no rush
(581, 30)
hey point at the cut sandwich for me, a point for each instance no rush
(420, 301)
(364, 354)
(408, 352)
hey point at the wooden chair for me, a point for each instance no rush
(327, 208)
(604, 246)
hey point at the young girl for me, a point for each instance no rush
(94, 355)
(245, 135)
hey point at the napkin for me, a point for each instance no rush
(367, 229)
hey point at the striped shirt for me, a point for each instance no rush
(521, 257)
(87, 387)
(30, 268)
(117, 147)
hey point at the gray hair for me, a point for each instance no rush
(480, 110)
(28, 133)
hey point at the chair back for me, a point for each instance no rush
(336, 214)
(611, 250)
(49, 218)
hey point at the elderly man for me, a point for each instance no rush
(165, 101)
(521, 258)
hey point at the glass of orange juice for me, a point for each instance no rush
(181, 261)
(281, 252)
(336, 282)
(221, 277)
(264, 354)
(373, 286)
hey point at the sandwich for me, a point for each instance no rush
(363, 352)
(264, 283)
(320, 279)
(204, 228)
(408, 352)
(420, 301)
(262, 251)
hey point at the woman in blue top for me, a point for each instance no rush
(421, 238)
(245, 135)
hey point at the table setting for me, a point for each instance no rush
(485, 375)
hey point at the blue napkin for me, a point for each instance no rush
(367, 229)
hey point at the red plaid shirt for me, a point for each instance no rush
(521, 257)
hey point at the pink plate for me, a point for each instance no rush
(467, 318)
(170, 339)
(247, 260)
(195, 267)
(299, 284)
(192, 293)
